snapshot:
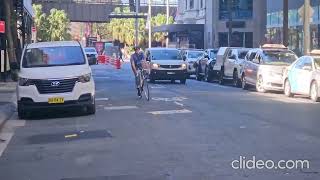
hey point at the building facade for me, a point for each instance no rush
(275, 20)
(248, 21)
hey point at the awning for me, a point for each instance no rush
(178, 28)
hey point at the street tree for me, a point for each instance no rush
(52, 27)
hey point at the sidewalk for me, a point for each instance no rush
(7, 102)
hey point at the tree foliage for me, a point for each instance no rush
(123, 30)
(52, 27)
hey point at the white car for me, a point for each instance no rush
(233, 65)
(54, 74)
(92, 54)
(166, 64)
(191, 56)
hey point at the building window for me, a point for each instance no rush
(191, 4)
(186, 5)
(202, 4)
(241, 9)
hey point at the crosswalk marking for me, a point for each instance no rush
(182, 111)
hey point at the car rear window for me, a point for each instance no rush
(53, 56)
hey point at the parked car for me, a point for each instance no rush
(303, 77)
(265, 70)
(92, 54)
(54, 74)
(232, 65)
(166, 64)
(218, 66)
(191, 56)
(204, 65)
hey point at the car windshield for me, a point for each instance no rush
(317, 62)
(194, 54)
(166, 55)
(53, 56)
(90, 50)
(242, 54)
(279, 57)
(213, 54)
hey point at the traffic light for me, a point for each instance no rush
(132, 5)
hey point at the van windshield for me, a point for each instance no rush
(166, 55)
(53, 56)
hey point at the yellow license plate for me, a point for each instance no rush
(56, 100)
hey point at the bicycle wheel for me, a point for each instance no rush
(146, 89)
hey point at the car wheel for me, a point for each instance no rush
(287, 89)
(314, 95)
(244, 84)
(183, 81)
(22, 114)
(221, 77)
(259, 85)
(236, 80)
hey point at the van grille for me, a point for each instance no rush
(55, 86)
(170, 66)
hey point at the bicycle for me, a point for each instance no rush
(143, 84)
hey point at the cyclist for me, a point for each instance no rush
(136, 64)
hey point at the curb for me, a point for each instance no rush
(6, 111)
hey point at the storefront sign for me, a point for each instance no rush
(2, 27)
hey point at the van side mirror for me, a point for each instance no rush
(15, 66)
(148, 59)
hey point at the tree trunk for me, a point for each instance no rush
(8, 18)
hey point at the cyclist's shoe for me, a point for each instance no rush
(139, 93)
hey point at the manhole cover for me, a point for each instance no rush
(69, 136)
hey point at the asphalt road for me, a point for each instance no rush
(186, 132)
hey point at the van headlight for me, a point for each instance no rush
(155, 66)
(85, 78)
(25, 82)
(183, 66)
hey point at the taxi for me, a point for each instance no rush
(303, 77)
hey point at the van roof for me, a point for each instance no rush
(53, 44)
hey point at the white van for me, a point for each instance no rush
(54, 74)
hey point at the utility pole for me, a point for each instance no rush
(137, 23)
(306, 27)
(168, 15)
(230, 4)
(150, 25)
(285, 22)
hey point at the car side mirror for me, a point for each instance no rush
(206, 56)
(184, 58)
(15, 65)
(307, 68)
(148, 59)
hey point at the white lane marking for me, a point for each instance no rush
(157, 87)
(4, 141)
(169, 99)
(120, 107)
(102, 99)
(179, 104)
(182, 111)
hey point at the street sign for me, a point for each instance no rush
(2, 27)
